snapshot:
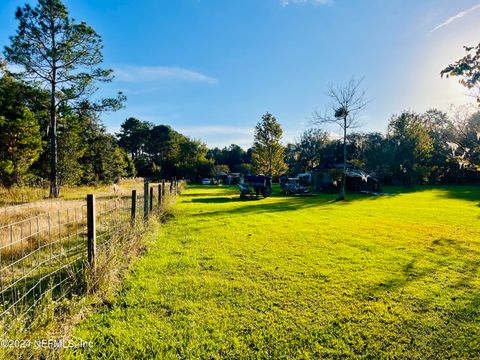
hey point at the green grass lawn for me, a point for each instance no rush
(302, 277)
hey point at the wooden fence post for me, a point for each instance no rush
(160, 196)
(151, 199)
(163, 188)
(145, 200)
(171, 186)
(134, 207)
(91, 231)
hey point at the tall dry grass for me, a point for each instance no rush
(54, 318)
(20, 203)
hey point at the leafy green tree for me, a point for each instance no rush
(464, 142)
(62, 56)
(192, 160)
(3, 66)
(440, 130)
(311, 146)
(268, 154)
(21, 144)
(72, 145)
(233, 156)
(467, 68)
(244, 168)
(104, 162)
(161, 152)
(292, 159)
(220, 168)
(134, 136)
(20, 138)
(216, 155)
(163, 148)
(412, 146)
(377, 156)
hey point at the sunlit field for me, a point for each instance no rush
(302, 277)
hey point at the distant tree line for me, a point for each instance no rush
(158, 151)
(50, 130)
(231, 158)
(417, 149)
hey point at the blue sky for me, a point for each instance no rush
(211, 68)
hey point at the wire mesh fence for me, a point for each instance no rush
(50, 252)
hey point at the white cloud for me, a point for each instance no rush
(455, 17)
(142, 74)
(316, 2)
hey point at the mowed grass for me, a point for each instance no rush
(302, 278)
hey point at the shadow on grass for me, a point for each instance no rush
(444, 255)
(469, 193)
(459, 192)
(218, 200)
(281, 203)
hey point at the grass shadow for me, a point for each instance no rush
(460, 192)
(439, 249)
(281, 204)
(219, 200)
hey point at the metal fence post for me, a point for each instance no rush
(145, 200)
(160, 196)
(91, 231)
(133, 216)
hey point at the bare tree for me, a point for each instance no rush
(347, 101)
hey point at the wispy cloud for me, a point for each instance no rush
(142, 74)
(455, 17)
(316, 2)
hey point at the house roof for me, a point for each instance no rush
(352, 172)
(329, 165)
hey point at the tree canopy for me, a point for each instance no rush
(467, 68)
(268, 155)
(62, 57)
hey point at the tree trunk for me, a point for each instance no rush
(341, 196)
(54, 190)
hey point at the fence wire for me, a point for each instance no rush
(48, 252)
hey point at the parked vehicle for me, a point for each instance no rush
(206, 181)
(292, 186)
(255, 185)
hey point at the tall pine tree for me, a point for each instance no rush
(62, 56)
